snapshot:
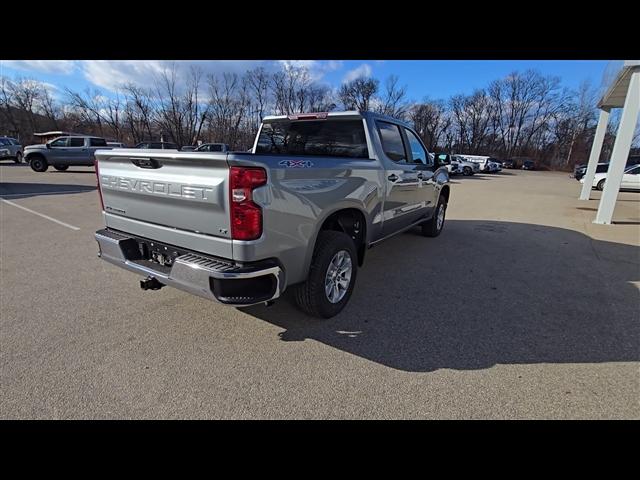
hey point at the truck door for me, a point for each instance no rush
(58, 151)
(403, 203)
(427, 192)
(77, 151)
(94, 144)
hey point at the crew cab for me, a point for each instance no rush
(299, 211)
(63, 152)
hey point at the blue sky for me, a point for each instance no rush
(423, 78)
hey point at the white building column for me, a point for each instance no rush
(620, 151)
(596, 149)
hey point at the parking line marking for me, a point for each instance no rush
(40, 214)
(2, 195)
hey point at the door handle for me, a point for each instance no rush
(393, 177)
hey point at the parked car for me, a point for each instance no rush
(528, 165)
(157, 145)
(630, 179)
(509, 164)
(458, 165)
(493, 166)
(581, 171)
(10, 148)
(444, 160)
(300, 212)
(213, 147)
(63, 152)
(481, 161)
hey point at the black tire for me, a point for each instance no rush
(310, 295)
(433, 228)
(18, 158)
(467, 171)
(600, 185)
(61, 168)
(38, 164)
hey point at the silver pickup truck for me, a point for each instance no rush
(298, 211)
(63, 152)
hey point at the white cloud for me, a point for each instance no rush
(363, 70)
(111, 75)
(45, 66)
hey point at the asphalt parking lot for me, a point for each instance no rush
(522, 308)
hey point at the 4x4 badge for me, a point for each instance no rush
(296, 163)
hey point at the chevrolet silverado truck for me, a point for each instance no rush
(299, 211)
(63, 152)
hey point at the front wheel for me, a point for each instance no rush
(38, 164)
(332, 276)
(434, 227)
(18, 158)
(600, 185)
(467, 171)
(61, 168)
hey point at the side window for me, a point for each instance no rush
(76, 142)
(392, 143)
(59, 142)
(216, 148)
(418, 152)
(98, 142)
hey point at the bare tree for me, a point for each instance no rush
(393, 101)
(431, 121)
(358, 93)
(139, 113)
(7, 103)
(258, 83)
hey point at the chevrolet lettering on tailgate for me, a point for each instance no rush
(194, 192)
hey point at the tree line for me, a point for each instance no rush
(524, 114)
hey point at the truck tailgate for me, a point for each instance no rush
(159, 194)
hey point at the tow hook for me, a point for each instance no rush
(151, 283)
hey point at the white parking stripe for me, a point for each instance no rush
(40, 214)
(61, 192)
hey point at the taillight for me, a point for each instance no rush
(98, 179)
(246, 216)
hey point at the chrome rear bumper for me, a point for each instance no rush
(214, 279)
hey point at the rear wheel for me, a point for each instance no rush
(467, 171)
(61, 168)
(18, 158)
(332, 275)
(600, 185)
(38, 164)
(434, 227)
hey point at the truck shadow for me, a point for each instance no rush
(24, 190)
(481, 294)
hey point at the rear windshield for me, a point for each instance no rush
(331, 138)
